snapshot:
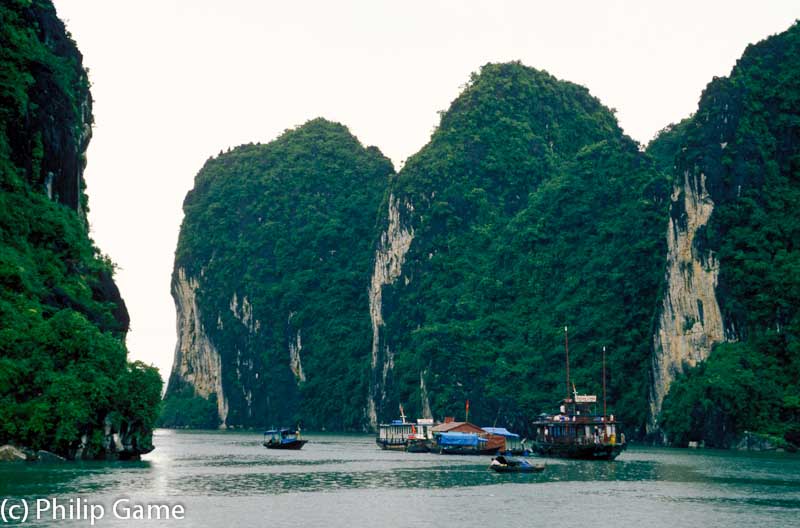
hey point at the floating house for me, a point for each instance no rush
(463, 438)
(514, 443)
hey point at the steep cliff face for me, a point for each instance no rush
(294, 305)
(726, 353)
(392, 248)
(65, 384)
(529, 209)
(313, 284)
(49, 141)
(690, 322)
(197, 361)
(270, 283)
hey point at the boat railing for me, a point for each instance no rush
(582, 440)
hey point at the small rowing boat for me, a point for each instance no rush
(504, 464)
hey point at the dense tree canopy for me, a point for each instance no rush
(532, 211)
(288, 226)
(63, 368)
(745, 137)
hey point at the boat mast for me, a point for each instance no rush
(566, 349)
(604, 384)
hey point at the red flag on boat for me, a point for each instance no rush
(467, 419)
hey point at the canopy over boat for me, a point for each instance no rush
(500, 431)
(280, 431)
(459, 439)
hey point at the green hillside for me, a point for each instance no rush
(65, 383)
(289, 227)
(745, 138)
(532, 211)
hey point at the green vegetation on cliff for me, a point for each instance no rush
(528, 210)
(745, 139)
(185, 409)
(64, 376)
(531, 211)
(279, 238)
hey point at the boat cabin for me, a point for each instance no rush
(578, 430)
(578, 424)
(280, 436)
(395, 435)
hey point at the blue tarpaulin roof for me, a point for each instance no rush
(500, 431)
(458, 439)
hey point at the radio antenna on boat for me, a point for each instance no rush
(566, 349)
(604, 384)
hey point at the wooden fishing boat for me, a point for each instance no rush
(283, 439)
(578, 430)
(504, 464)
(577, 433)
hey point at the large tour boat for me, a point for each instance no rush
(578, 430)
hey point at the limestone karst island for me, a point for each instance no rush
(532, 289)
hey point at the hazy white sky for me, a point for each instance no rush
(176, 81)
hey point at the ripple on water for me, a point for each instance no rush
(345, 480)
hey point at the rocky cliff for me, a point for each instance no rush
(392, 248)
(65, 384)
(690, 322)
(197, 361)
(270, 283)
(725, 354)
(528, 210)
(49, 140)
(312, 284)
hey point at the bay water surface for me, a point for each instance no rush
(230, 479)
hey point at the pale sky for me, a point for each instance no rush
(176, 81)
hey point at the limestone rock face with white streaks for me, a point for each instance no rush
(392, 248)
(271, 283)
(690, 321)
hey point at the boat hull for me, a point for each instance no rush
(518, 469)
(464, 451)
(293, 445)
(418, 446)
(579, 452)
(391, 446)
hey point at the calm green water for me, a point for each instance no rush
(229, 479)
